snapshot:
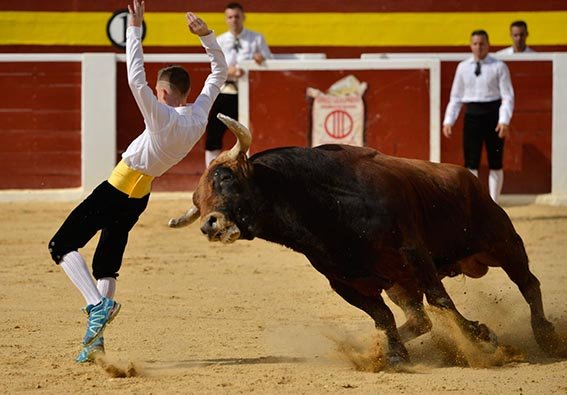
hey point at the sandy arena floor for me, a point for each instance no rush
(204, 318)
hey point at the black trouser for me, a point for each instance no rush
(481, 120)
(106, 209)
(225, 104)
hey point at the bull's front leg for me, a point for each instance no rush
(383, 318)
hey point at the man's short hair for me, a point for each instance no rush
(519, 24)
(234, 6)
(177, 77)
(480, 32)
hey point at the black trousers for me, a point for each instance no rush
(479, 129)
(106, 209)
(227, 105)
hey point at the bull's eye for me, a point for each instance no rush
(223, 178)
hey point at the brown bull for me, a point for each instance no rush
(369, 222)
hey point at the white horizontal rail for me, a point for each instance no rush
(458, 56)
(40, 57)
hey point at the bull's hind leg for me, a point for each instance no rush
(383, 318)
(410, 299)
(514, 261)
(437, 295)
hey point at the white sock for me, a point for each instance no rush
(474, 171)
(76, 269)
(107, 286)
(495, 181)
(211, 156)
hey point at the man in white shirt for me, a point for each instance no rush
(237, 44)
(483, 83)
(172, 127)
(519, 35)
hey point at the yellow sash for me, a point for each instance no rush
(130, 181)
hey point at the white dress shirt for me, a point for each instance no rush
(170, 133)
(243, 47)
(510, 51)
(492, 84)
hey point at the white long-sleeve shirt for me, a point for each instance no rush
(243, 47)
(492, 84)
(170, 133)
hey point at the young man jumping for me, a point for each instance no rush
(172, 127)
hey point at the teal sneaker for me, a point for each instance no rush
(99, 316)
(88, 353)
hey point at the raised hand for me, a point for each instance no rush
(197, 25)
(136, 13)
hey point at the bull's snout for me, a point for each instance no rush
(217, 228)
(210, 225)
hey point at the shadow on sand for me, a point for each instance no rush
(163, 365)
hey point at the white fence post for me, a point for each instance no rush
(98, 122)
(559, 126)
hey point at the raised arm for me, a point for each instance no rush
(219, 68)
(155, 114)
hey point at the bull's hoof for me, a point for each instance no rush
(483, 333)
(396, 359)
(397, 356)
(552, 344)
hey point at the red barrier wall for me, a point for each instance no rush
(40, 132)
(40, 141)
(280, 113)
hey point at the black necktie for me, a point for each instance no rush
(236, 45)
(477, 69)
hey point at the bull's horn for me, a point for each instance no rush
(243, 135)
(188, 218)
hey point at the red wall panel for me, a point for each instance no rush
(280, 113)
(40, 133)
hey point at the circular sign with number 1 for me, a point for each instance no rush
(116, 28)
